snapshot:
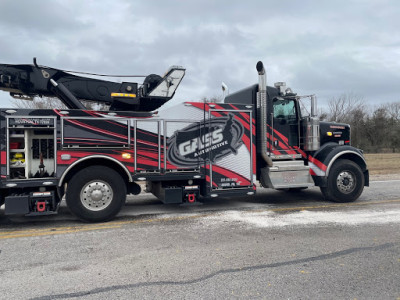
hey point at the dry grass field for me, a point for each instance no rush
(383, 163)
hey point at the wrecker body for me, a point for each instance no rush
(256, 138)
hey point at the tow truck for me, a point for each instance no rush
(256, 138)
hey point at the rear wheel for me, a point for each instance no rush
(96, 194)
(345, 182)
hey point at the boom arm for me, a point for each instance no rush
(28, 81)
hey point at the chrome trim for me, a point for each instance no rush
(271, 145)
(157, 122)
(313, 106)
(52, 81)
(8, 148)
(251, 147)
(65, 156)
(128, 124)
(340, 154)
(165, 144)
(92, 157)
(62, 133)
(55, 147)
(179, 121)
(211, 171)
(134, 146)
(103, 117)
(159, 144)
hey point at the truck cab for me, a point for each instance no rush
(296, 151)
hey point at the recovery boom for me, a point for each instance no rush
(28, 81)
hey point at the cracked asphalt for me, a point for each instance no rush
(272, 246)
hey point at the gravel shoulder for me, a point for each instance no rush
(384, 177)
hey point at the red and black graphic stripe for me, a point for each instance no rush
(219, 173)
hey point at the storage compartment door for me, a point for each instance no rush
(230, 147)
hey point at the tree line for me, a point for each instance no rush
(373, 128)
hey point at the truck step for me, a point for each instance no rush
(290, 165)
(286, 174)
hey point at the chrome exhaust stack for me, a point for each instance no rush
(262, 111)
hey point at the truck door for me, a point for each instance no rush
(285, 129)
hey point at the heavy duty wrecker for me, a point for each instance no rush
(256, 137)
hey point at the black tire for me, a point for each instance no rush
(150, 82)
(345, 182)
(96, 194)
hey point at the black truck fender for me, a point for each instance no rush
(322, 161)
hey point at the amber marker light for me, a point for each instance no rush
(126, 155)
(124, 95)
(329, 133)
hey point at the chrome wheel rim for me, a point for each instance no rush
(346, 182)
(96, 195)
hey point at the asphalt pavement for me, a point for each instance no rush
(275, 245)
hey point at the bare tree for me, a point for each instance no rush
(393, 110)
(357, 120)
(54, 103)
(322, 114)
(213, 99)
(39, 103)
(340, 108)
(393, 123)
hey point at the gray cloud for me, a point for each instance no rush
(322, 47)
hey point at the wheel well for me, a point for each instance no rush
(92, 162)
(354, 157)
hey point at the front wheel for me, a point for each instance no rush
(345, 182)
(96, 194)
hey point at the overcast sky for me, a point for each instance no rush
(323, 47)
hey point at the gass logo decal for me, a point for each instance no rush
(208, 140)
